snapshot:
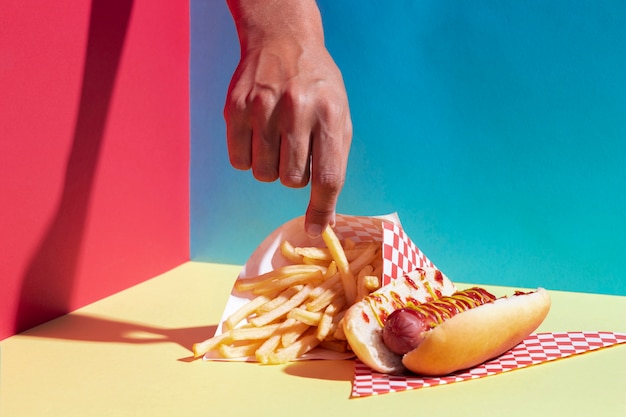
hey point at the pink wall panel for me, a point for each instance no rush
(94, 132)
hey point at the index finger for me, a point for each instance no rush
(329, 159)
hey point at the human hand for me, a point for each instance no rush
(287, 114)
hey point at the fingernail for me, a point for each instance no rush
(314, 230)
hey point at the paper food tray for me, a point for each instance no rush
(400, 256)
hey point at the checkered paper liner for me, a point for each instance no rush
(400, 255)
(535, 349)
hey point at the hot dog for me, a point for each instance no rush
(406, 328)
(443, 334)
(364, 320)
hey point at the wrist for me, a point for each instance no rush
(262, 22)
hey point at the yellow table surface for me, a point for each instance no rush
(129, 355)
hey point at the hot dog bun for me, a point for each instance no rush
(479, 334)
(465, 340)
(363, 322)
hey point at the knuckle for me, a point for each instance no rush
(319, 214)
(239, 160)
(329, 108)
(262, 99)
(295, 99)
(294, 179)
(264, 174)
(329, 181)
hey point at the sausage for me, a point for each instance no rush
(404, 330)
(407, 327)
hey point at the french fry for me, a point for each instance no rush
(321, 254)
(325, 324)
(289, 252)
(264, 351)
(365, 258)
(372, 283)
(331, 271)
(293, 333)
(307, 342)
(320, 302)
(245, 310)
(312, 318)
(201, 348)
(262, 354)
(281, 298)
(253, 333)
(238, 351)
(339, 256)
(313, 261)
(286, 282)
(282, 272)
(328, 283)
(283, 309)
(361, 287)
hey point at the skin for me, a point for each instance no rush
(287, 113)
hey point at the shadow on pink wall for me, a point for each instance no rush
(47, 285)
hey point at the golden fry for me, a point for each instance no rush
(314, 261)
(244, 311)
(282, 272)
(339, 256)
(289, 252)
(281, 298)
(315, 253)
(293, 333)
(253, 333)
(331, 271)
(303, 345)
(281, 284)
(361, 289)
(366, 257)
(283, 309)
(372, 282)
(238, 351)
(312, 318)
(201, 348)
(325, 325)
(328, 283)
(320, 302)
(264, 351)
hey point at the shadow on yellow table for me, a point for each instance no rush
(129, 355)
(83, 327)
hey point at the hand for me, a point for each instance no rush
(287, 114)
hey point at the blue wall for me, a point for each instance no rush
(497, 131)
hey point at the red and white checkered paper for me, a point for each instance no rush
(535, 349)
(400, 255)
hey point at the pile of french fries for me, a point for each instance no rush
(298, 307)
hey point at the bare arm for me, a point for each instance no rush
(287, 113)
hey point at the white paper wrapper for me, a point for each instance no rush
(400, 256)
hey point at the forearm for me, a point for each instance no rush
(262, 21)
